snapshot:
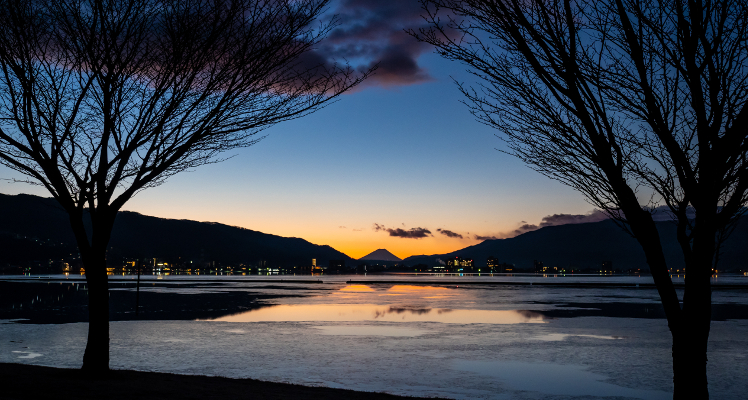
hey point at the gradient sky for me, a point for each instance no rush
(398, 154)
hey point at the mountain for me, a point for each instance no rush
(588, 246)
(380, 255)
(37, 227)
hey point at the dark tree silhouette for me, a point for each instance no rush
(634, 103)
(102, 99)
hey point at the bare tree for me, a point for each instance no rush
(102, 99)
(636, 104)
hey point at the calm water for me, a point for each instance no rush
(446, 338)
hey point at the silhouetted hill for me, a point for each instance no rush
(41, 222)
(588, 246)
(380, 255)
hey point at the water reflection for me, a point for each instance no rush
(369, 330)
(356, 288)
(27, 354)
(398, 290)
(373, 312)
(557, 337)
(401, 310)
(411, 291)
(416, 289)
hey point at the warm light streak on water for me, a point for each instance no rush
(398, 289)
(416, 289)
(369, 330)
(557, 337)
(356, 288)
(373, 312)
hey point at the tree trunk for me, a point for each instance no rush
(692, 336)
(93, 255)
(96, 357)
(688, 325)
(689, 366)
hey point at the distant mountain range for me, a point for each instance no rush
(35, 229)
(380, 255)
(588, 246)
(38, 227)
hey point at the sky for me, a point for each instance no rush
(399, 163)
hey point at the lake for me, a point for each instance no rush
(488, 337)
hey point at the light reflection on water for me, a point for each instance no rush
(416, 289)
(408, 294)
(369, 330)
(356, 288)
(565, 358)
(556, 337)
(27, 354)
(413, 291)
(373, 312)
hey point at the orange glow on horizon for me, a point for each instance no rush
(354, 239)
(361, 244)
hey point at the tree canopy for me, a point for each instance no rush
(633, 103)
(100, 99)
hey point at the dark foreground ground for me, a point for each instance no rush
(21, 381)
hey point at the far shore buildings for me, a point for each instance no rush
(459, 264)
(494, 266)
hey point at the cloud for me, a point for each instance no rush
(341, 227)
(413, 233)
(372, 32)
(448, 233)
(548, 220)
(565, 219)
(479, 237)
(525, 228)
(561, 219)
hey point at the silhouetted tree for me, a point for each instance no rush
(634, 103)
(102, 99)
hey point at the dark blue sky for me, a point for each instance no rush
(400, 152)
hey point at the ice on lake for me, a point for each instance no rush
(474, 341)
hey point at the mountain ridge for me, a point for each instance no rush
(137, 235)
(588, 245)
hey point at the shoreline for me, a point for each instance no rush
(24, 381)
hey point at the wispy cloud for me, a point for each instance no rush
(524, 228)
(448, 233)
(548, 220)
(565, 219)
(479, 237)
(413, 233)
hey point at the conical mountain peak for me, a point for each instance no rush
(380, 255)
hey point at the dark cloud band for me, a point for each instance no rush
(372, 32)
(413, 233)
(448, 233)
(479, 237)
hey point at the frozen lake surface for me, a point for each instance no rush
(445, 338)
